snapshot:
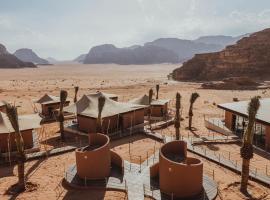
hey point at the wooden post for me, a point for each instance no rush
(147, 158)
(213, 174)
(140, 164)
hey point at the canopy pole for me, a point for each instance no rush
(108, 126)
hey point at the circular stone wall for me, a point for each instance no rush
(179, 175)
(94, 161)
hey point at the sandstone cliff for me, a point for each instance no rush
(28, 55)
(249, 57)
(8, 60)
(149, 54)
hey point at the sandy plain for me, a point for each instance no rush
(20, 86)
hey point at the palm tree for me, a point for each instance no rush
(101, 103)
(194, 96)
(12, 114)
(246, 150)
(157, 90)
(63, 98)
(76, 92)
(149, 102)
(177, 116)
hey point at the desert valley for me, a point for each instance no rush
(135, 100)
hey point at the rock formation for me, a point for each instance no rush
(147, 54)
(8, 60)
(249, 57)
(28, 55)
(80, 58)
(185, 49)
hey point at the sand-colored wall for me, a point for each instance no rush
(117, 160)
(267, 138)
(180, 179)
(94, 164)
(133, 118)
(86, 124)
(54, 106)
(159, 110)
(111, 124)
(27, 136)
(228, 119)
(154, 170)
(89, 125)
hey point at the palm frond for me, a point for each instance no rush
(150, 95)
(157, 91)
(12, 115)
(76, 92)
(194, 96)
(63, 98)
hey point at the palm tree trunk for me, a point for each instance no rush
(61, 125)
(190, 117)
(21, 181)
(245, 175)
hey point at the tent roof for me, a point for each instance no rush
(26, 122)
(144, 100)
(240, 108)
(48, 99)
(88, 106)
(2, 103)
(106, 94)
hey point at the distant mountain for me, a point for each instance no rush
(185, 49)
(28, 55)
(80, 58)
(52, 60)
(8, 60)
(220, 39)
(249, 57)
(171, 50)
(147, 54)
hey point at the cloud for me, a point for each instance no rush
(65, 29)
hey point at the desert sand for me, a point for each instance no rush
(129, 81)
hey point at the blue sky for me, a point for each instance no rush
(66, 28)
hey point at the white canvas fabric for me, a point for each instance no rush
(241, 107)
(26, 122)
(105, 94)
(144, 100)
(2, 103)
(88, 106)
(47, 99)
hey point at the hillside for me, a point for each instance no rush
(249, 57)
(28, 55)
(148, 54)
(185, 49)
(8, 60)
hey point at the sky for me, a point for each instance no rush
(64, 29)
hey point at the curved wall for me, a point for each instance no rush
(180, 179)
(96, 163)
